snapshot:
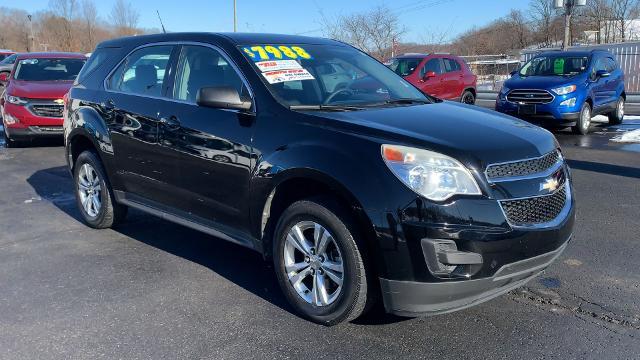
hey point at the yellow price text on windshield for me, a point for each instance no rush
(272, 52)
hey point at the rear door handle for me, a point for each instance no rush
(171, 123)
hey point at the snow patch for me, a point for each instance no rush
(628, 137)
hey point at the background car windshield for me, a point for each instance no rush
(404, 66)
(48, 69)
(555, 66)
(9, 59)
(327, 75)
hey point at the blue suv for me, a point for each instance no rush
(566, 88)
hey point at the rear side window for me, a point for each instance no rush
(143, 72)
(451, 65)
(97, 58)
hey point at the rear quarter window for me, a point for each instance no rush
(97, 59)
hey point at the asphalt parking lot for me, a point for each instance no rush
(151, 289)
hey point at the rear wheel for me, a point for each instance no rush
(319, 266)
(584, 121)
(94, 195)
(468, 98)
(616, 117)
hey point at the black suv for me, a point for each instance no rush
(357, 189)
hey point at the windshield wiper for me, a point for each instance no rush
(407, 101)
(325, 107)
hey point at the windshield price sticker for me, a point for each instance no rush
(265, 66)
(275, 77)
(558, 66)
(272, 52)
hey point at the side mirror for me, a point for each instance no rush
(221, 97)
(429, 75)
(513, 73)
(4, 78)
(602, 74)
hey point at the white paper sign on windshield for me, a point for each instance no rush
(274, 77)
(274, 65)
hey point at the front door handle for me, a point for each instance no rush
(171, 123)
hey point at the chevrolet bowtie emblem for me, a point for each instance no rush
(550, 185)
(59, 101)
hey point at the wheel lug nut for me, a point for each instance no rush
(321, 258)
(312, 271)
(320, 271)
(313, 251)
(307, 259)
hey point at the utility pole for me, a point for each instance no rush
(235, 17)
(31, 38)
(568, 6)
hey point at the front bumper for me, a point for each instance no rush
(26, 125)
(407, 298)
(552, 113)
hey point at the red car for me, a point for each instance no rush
(32, 103)
(443, 76)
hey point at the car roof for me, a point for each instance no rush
(50, 55)
(575, 52)
(233, 38)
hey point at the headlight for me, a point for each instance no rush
(435, 176)
(16, 100)
(565, 90)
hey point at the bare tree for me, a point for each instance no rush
(125, 18)
(519, 28)
(622, 11)
(543, 14)
(90, 20)
(374, 31)
(64, 12)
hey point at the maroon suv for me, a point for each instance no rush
(444, 76)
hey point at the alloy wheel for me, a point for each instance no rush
(586, 118)
(313, 263)
(89, 190)
(620, 109)
(468, 99)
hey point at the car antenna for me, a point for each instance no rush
(161, 24)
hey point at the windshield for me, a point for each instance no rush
(48, 69)
(404, 66)
(329, 75)
(555, 66)
(9, 60)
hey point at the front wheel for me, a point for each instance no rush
(584, 121)
(468, 98)
(616, 117)
(94, 195)
(319, 266)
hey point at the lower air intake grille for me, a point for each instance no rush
(536, 210)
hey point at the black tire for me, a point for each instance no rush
(110, 213)
(584, 121)
(468, 98)
(356, 296)
(616, 116)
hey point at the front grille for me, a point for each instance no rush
(54, 111)
(536, 210)
(524, 167)
(530, 96)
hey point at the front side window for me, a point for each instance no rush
(143, 72)
(405, 66)
(48, 69)
(313, 75)
(201, 66)
(9, 60)
(555, 65)
(433, 65)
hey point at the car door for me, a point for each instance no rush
(214, 145)
(432, 85)
(613, 81)
(452, 85)
(599, 84)
(134, 105)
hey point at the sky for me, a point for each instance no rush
(420, 17)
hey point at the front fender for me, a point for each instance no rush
(87, 123)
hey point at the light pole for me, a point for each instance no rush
(568, 6)
(235, 17)
(31, 39)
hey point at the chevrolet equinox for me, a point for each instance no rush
(358, 189)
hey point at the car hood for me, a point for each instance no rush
(540, 82)
(39, 89)
(475, 136)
